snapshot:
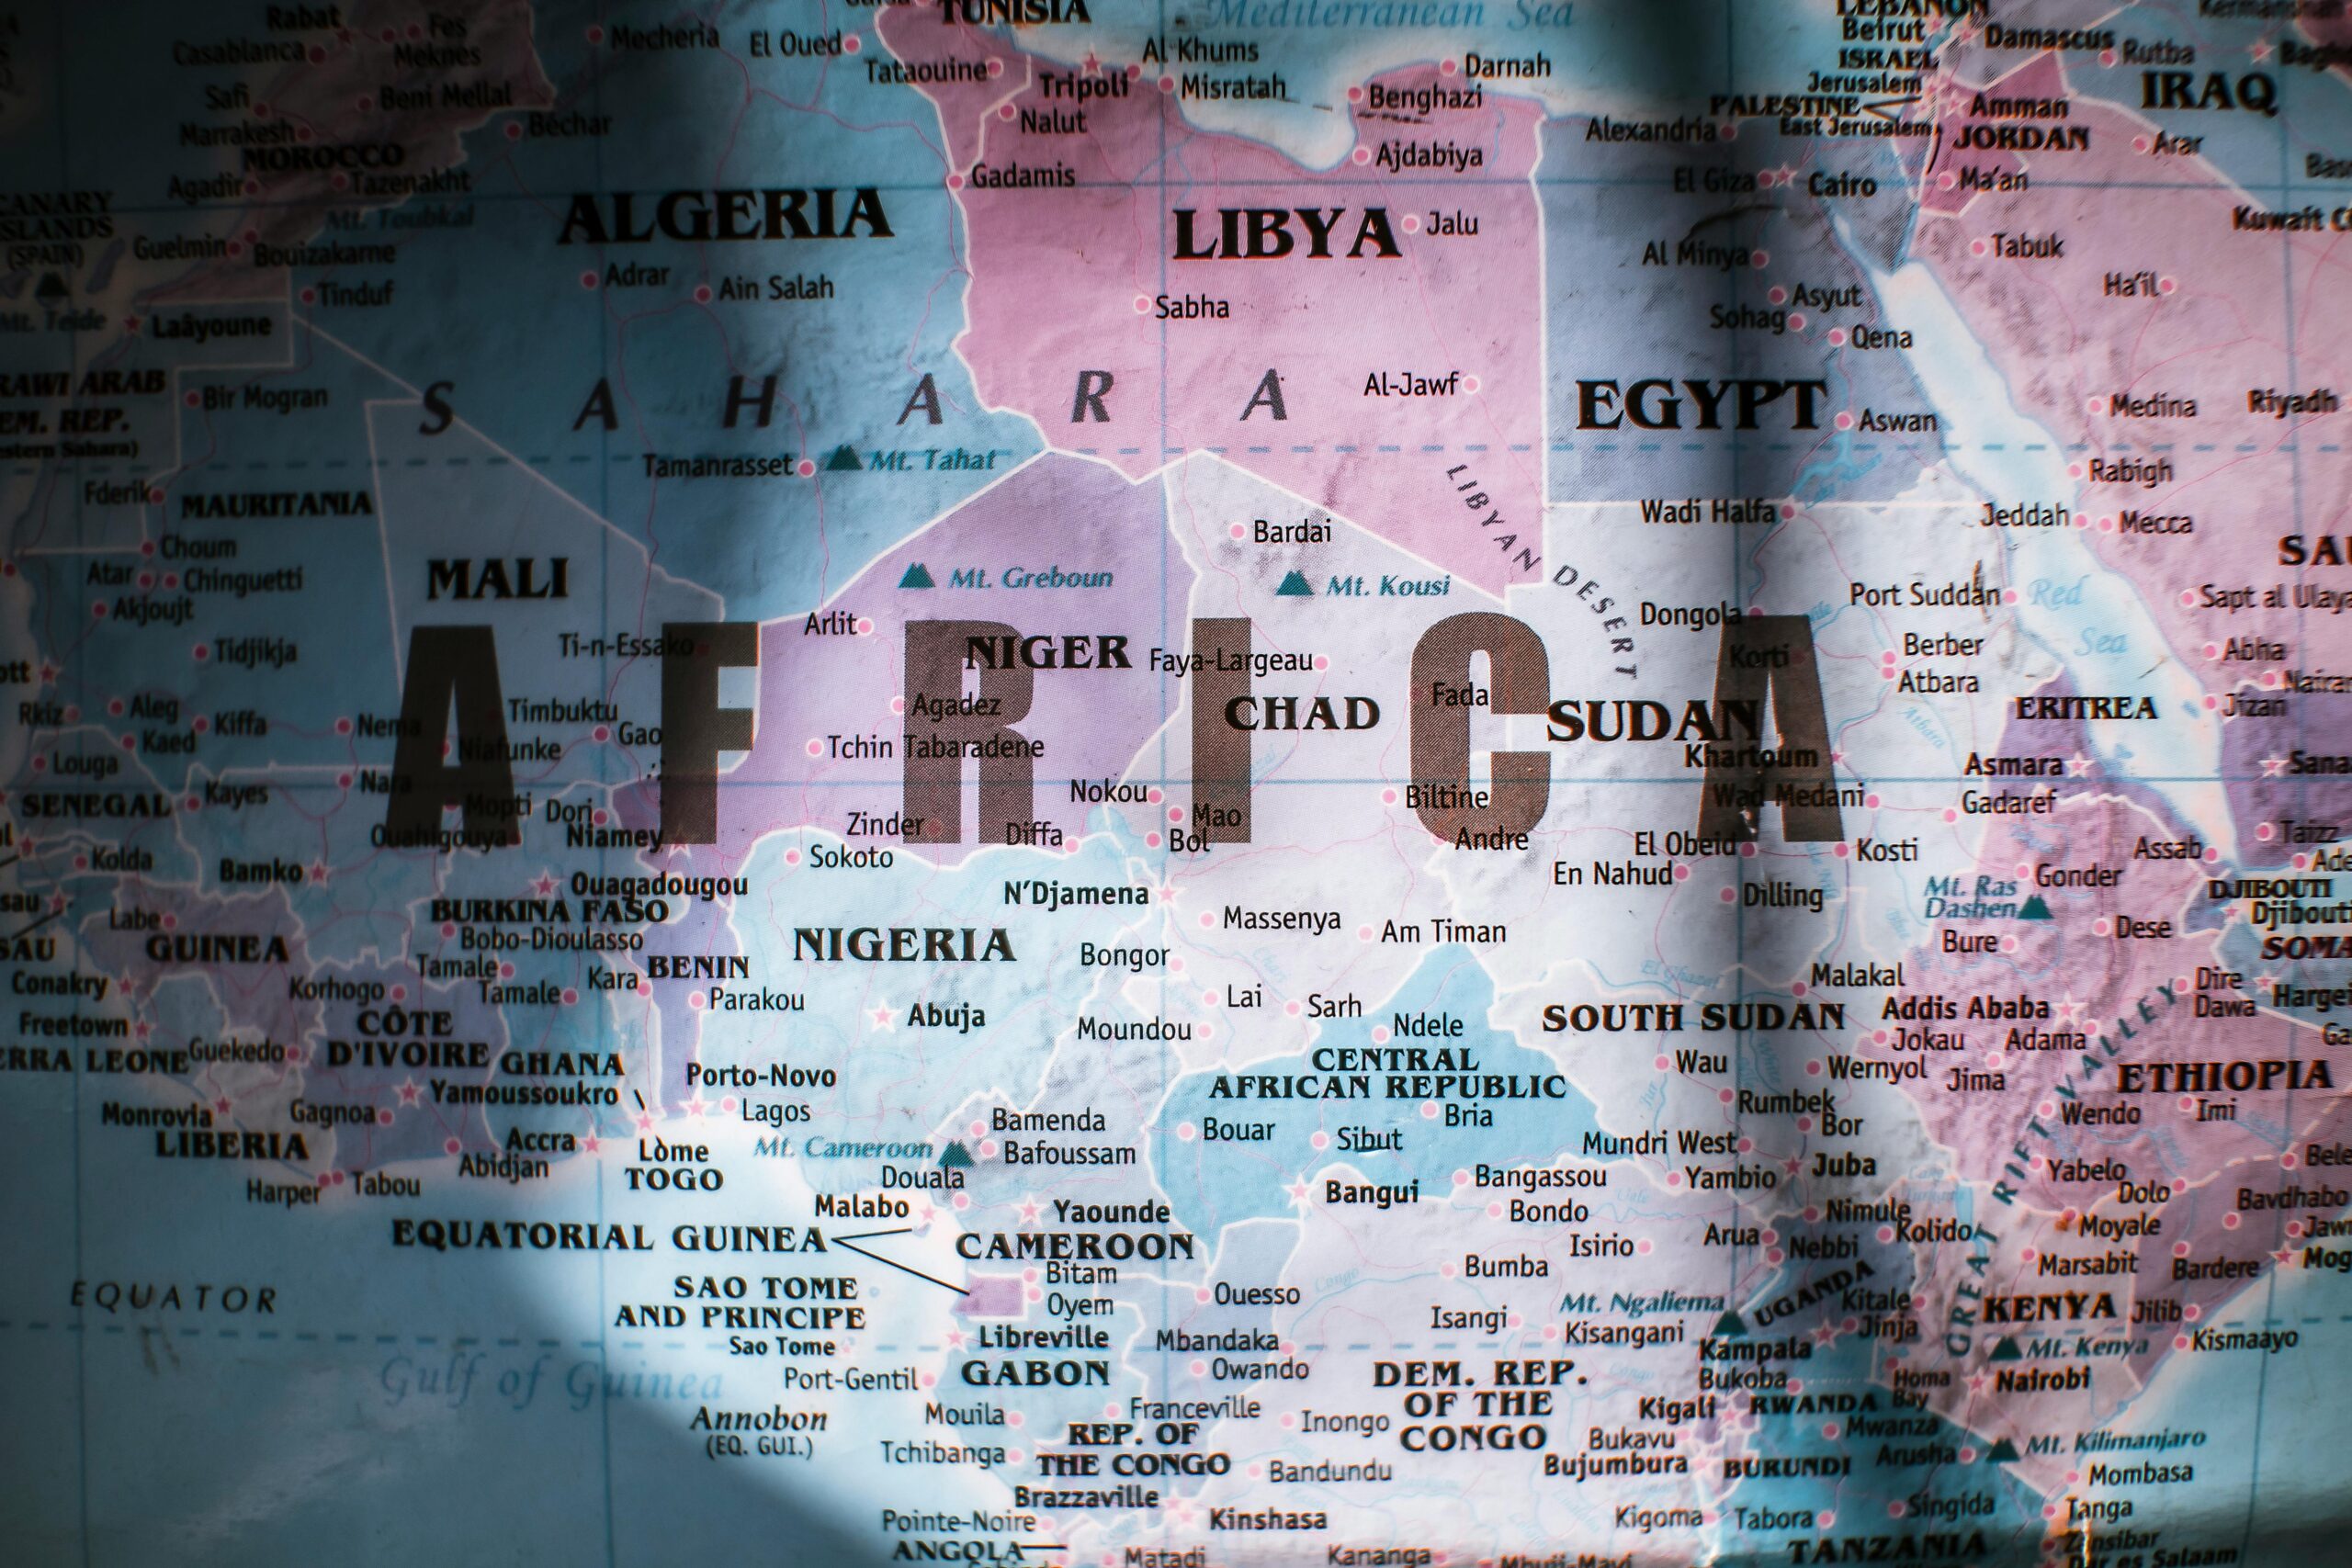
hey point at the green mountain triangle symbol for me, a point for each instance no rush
(1295, 586)
(844, 459)
(1729, 1326)
(2034, 909)
(2002, 1452)
(956, 1155)
(2007, 1351)
(917, 577)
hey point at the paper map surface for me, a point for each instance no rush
(1176, 784)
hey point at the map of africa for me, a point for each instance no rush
(1176, 784)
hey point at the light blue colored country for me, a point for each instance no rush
(900, 1080)
(1211, 1183)
(1910, 1483)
